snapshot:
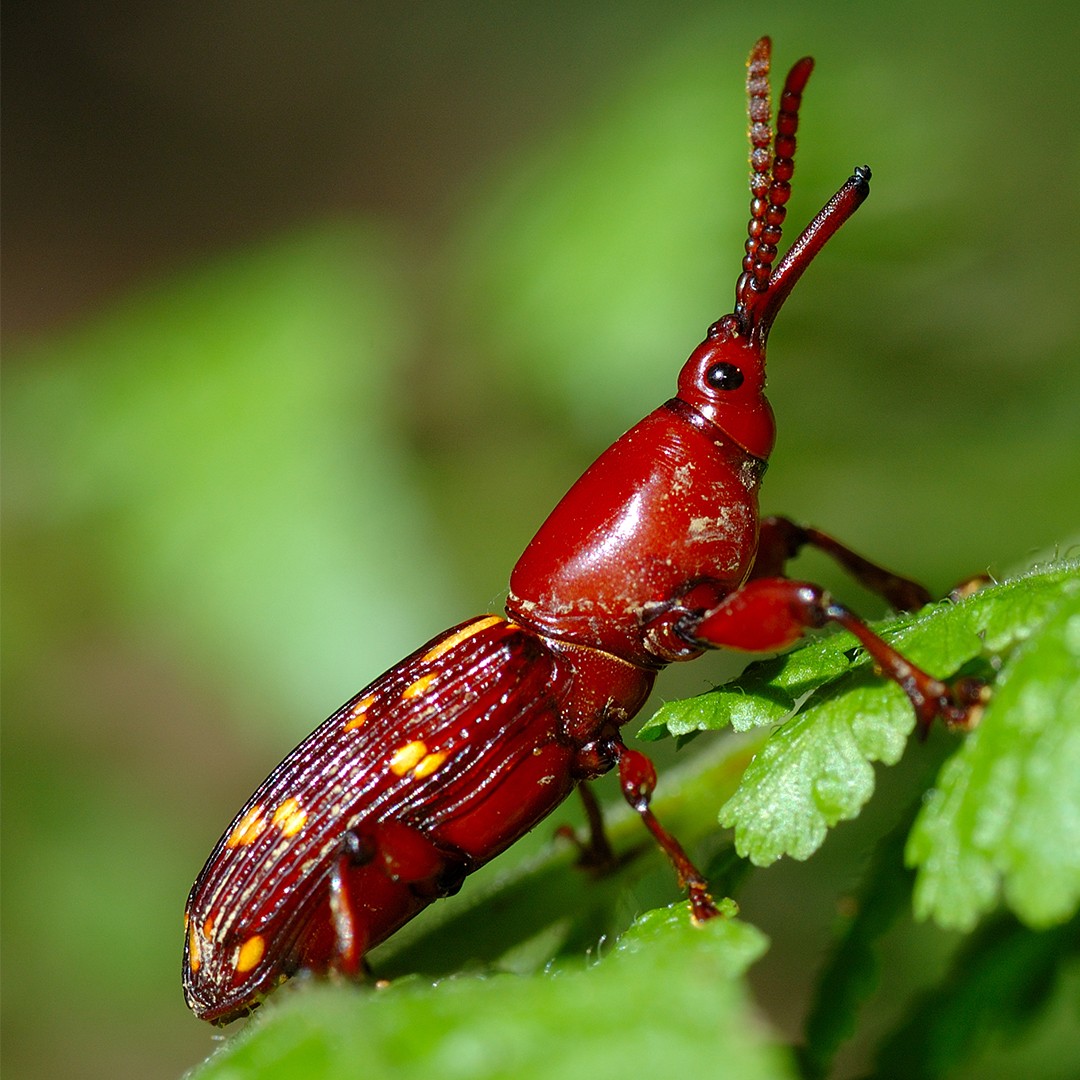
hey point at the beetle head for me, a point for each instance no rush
(724, 379)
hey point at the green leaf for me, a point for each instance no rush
(1005, 813)
(671, 988)
(998, 984)
(816, 769)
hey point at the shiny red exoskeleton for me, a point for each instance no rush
(654, 555)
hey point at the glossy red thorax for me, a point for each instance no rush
(663, 523)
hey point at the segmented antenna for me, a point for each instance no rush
(772, 164)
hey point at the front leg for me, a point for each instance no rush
(770, 613)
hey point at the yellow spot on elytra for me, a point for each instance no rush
(248, 829)
(289, 817)
(250, 953)
(407, 757)
(193, 955)
(358, 713)
(429, 763)
(463, 634)
(417, 688)
(208, 927)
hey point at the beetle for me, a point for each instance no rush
(656, 554)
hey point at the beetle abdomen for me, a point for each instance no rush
(444, 745)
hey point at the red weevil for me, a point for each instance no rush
(656, 554)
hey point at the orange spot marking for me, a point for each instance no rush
(208, 927)
(250, 953)
(358, 713)
(193, 955)
(417, 688)
(463, 634)
(407, 757)
(429, 763)
(248, 829)
(289, 817)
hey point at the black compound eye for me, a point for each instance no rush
(724, 376)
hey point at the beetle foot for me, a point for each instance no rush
(702, 905)
(960, 704)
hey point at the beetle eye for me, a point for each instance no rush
(724, 376)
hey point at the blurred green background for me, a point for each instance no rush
(311, 316)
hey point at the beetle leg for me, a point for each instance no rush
(405, 861)
(350, 939)
(781, 539)
(637, 777)
(769, 614)
(595, 854)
